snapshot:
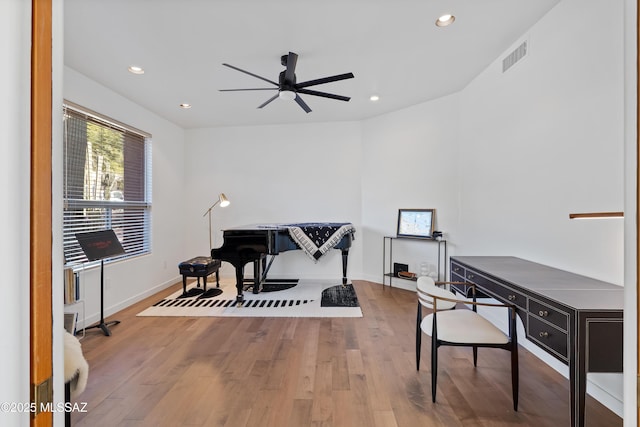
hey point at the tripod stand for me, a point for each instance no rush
(102, 325)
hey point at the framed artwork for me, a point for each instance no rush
(416, 223)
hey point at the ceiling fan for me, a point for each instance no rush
(287, 86)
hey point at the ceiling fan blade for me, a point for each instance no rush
(269, 100)
(302, 104)
(324, 80)
(324, 94)
(289, 74)
(251, 74)
(257, 88)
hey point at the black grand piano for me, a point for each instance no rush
(254, 243)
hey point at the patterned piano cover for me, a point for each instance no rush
(317, 238)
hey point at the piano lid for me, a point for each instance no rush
(286, 226)
(258, 227)
(314, 238)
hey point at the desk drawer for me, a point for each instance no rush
(548, 337)
(550, 314)
(457, 269)
(466, 291)
(501, 291)
(459, 288)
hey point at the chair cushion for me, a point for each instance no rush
(465, 327)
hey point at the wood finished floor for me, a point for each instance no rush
(296, 372)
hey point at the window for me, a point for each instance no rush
(107, 182)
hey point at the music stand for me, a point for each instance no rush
(98, 245)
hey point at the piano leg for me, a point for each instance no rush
(345, 256)
(240, 284)
(257, 275)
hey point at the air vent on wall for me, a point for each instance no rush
(515, 56)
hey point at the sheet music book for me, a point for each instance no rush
(69, 286)
(100, 244)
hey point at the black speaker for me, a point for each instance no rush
(397, 268)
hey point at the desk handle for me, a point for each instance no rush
(511, 297)
(544, 334)
(470, 276)
(543, 313)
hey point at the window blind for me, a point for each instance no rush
(107, 182)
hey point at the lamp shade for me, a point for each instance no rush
(224, 202)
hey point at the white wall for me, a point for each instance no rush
(507, 159)
(545, 139)
(131, 280)
(275, 174)
(408, 161)
(15, 27)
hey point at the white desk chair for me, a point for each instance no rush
(447, 325)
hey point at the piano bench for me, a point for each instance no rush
(200, 266)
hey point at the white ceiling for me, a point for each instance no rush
(393, 48)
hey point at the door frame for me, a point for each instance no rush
(40, 227)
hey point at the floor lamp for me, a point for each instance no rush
(224, 202)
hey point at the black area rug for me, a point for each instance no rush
(340, 296)
(274, 285)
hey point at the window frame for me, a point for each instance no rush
(109, 206)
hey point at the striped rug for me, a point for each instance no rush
(309, 298)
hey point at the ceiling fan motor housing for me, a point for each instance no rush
(284, 84)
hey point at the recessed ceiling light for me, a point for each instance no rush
(374, 98)
(136, 70)
(185, 105)
(445, 20)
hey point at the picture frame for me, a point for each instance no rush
(416, 223)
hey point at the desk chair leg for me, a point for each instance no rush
(515, 375)
(418, 336)
(434, 367)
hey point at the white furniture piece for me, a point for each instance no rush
(450, 325)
